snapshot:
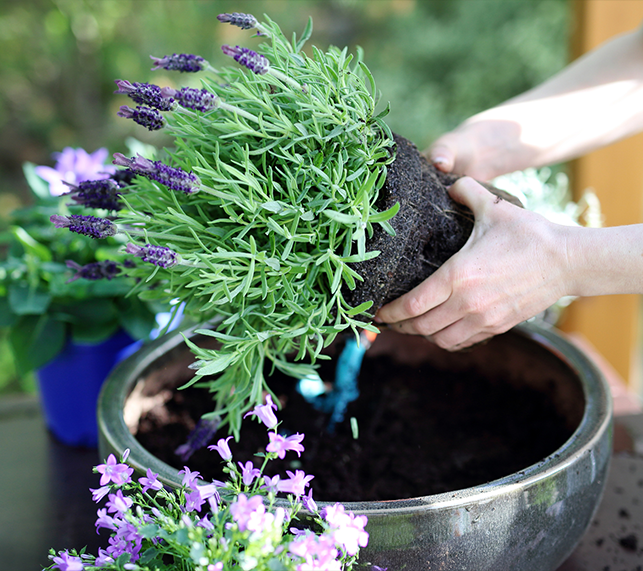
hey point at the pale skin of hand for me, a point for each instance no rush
(515, 264)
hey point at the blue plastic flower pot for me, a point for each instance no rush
(70, 383)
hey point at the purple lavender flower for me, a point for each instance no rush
(200, 435)
(174, 178)
(252, 60)
(74, 166)
(157, 255)
(281, 444)
(103, 558)
(308, 502)
(94, 270)
(147, 117)
(222, 448)
(102, 193)
(86, 225)
(180, 62)
(145, 94)
(66, 562)
(296, 484)
(112, 471)
(197, 99)
(243, 21)
(264, 412)
(189, 477)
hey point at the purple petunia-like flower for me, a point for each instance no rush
(106, 269)
(243, 21)
(101, 193)
(264, 412)
(248, 58)
(158, 255)
(74, 166)
(145, 94)
(180, 62)
(191, 98)
(248, 472)
(87, 225)
(147, 117)
(347, 528)
(172, 177)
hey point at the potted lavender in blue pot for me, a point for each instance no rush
(64, 297)
(283, 216)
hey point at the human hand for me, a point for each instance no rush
(480, 148)
(512, 267)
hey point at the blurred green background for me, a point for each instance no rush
(436, 62)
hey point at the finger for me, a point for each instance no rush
(431, 293)
(441, 155)
(472, 194)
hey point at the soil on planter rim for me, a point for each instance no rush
(422, 431)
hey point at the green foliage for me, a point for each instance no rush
(39, 306)
(290, 165)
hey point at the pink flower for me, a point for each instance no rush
(118, 502)
(114, 472)
(265, 412)
(347, 528)
(222, 448)
(248, 513)
(248, 472)
(296, 484)
(280, 444)
(66, 562)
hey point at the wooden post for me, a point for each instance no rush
(610, 323)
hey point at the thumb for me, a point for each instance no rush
(470, 193)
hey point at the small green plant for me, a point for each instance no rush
(256, 214)
(42, 305)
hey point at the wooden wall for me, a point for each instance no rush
(611, 323)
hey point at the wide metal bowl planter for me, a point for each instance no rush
(527, 521)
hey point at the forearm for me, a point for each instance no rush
(595, 101)
(604, 261)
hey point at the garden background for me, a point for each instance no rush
(436, 62)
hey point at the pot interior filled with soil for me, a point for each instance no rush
(494, 458)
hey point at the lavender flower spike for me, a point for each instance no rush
(158, 255)
(145, 94)
(145, 116)
(180, 62)
(173, 178)
(190, 98)
(94, 271)
(102, 193)
(87, 225)
(243, 21)
(252, 60)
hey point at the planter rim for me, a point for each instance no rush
(596, 420)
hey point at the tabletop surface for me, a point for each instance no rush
(45, 500)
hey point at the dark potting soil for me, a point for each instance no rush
(421, 431)
(429, 228)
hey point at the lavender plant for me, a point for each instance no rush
(256, 213)
(219, 526)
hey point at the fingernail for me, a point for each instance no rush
(439, 161)
(378, 319)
